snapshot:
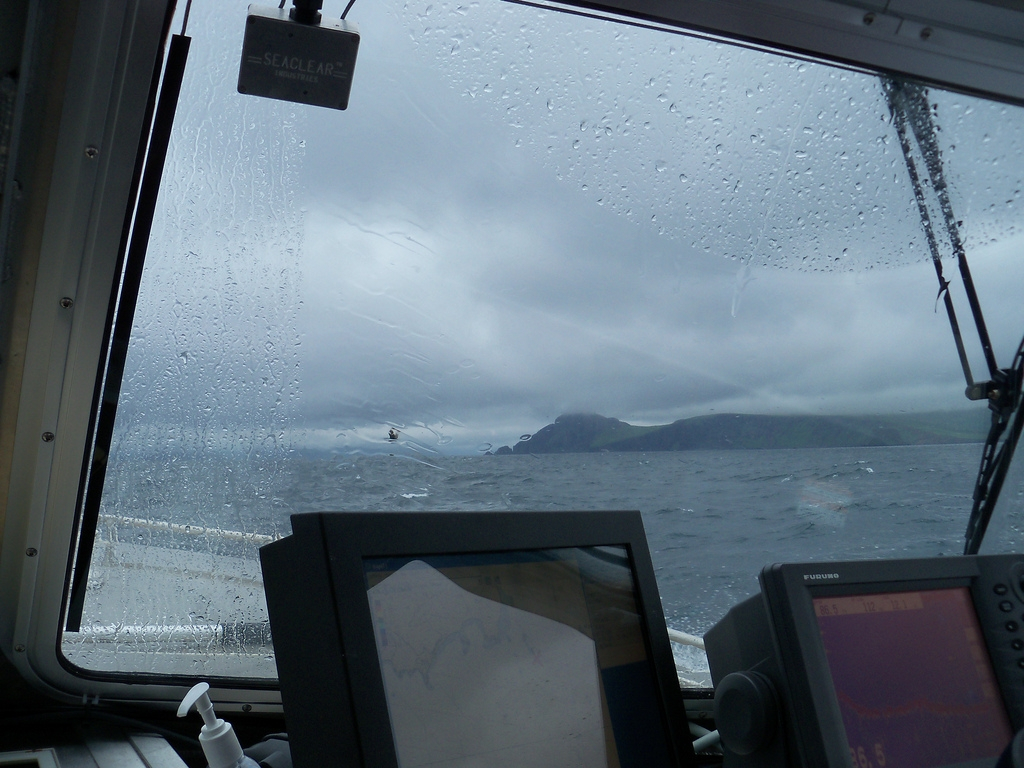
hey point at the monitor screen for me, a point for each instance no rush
(913, 678)
(913, 663)
(528, 657)
(464, 640)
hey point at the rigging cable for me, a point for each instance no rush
(908, 104)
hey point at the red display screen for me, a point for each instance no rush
(913, 679)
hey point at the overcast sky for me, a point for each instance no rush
(524, 214)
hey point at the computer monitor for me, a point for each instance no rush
(915, 663)
(473, 639)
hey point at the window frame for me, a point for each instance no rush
(98, 103)
(117, 45)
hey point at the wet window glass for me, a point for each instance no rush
(547, 261)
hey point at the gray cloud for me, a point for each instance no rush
(507, 225)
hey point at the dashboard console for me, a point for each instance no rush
(915, 663)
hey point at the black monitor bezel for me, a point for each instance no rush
(807, 687)
(351, 538)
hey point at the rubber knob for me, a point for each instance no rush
(746, 711)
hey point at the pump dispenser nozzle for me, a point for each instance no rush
(220, 745)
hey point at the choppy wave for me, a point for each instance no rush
(713, 519)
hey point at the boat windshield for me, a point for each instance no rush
(546, 260)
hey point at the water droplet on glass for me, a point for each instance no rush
(524, 438)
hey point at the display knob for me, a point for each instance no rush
(746, 711)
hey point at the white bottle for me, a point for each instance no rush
(220, 745)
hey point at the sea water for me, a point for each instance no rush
(713, 518)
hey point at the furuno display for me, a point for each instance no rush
(454, 638)
(910, 663)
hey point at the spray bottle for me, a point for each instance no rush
(220, 745)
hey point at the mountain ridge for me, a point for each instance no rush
(592, 433)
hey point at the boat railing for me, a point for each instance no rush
(110, 523)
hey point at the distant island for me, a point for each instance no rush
(591, 433)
